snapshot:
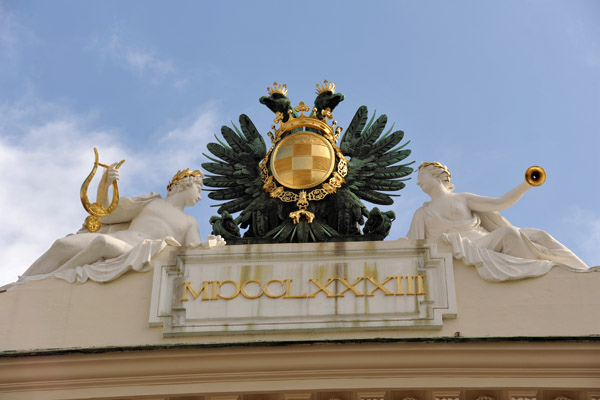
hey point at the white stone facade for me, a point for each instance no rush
(532, 338)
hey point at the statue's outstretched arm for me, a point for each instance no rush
(486, 204)
(108, 177)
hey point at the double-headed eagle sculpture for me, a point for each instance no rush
(306, 188)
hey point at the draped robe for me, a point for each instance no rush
(473, 239)
(137, 259)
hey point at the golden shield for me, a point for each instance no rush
(302, 160)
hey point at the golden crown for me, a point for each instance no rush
(330, 132)
(277, 89)
(326, 86)
(182, 175)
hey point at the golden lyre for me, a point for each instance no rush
(535, 176)
(97, 210)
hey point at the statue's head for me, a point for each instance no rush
(183, 180)
(438, 171)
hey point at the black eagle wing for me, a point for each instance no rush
(234, 172)
(374, 158)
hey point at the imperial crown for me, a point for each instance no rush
(277, 89)
(326, 86)
(330, 132)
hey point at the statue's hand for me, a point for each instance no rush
(213, 241)
(112, 174)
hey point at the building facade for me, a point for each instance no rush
(165, 334)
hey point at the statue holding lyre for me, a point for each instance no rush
(479, 235)
(135, 230)
(100, 208)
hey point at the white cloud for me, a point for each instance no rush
(143, 62)
(192, 134)
(45, 154)
(41, 168)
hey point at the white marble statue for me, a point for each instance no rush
(136, 231)
(480, 236)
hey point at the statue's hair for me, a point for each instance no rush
(184, 174)
(183, 184)
(440, 172)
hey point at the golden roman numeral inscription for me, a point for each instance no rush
(398, 285)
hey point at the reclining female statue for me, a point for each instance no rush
(138, 229)
(480, 236)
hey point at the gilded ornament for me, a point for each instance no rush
(535, 176)
(326, 86)
(301, 108)
(304, 159)
(302, 201)
(296, 215)
(97, 209)
(276, 88)
(183, 174)
(287, 197)
(278, 118)
(319, 194)
(276, 192)
(93, 223)
(327, 113)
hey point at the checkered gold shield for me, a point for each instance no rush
(302, 160)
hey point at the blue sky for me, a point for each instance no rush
(488, 88)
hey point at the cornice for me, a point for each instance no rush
(310, 367)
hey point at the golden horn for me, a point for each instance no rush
(535, 175)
